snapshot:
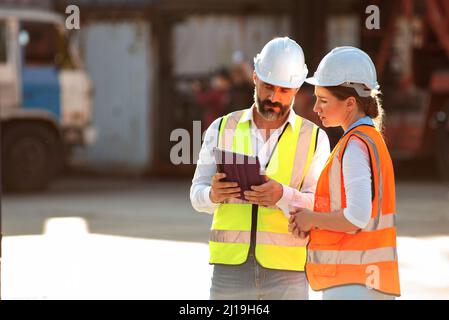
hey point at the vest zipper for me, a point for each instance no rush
(255, 207)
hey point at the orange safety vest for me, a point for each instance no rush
(368, 256)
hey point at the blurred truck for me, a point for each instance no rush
(45, 98)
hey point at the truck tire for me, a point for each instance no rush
(28, 157)
(442, 137)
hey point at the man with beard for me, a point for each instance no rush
(253, 253)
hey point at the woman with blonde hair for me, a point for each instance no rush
(352, 247)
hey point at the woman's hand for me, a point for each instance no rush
(300, 222)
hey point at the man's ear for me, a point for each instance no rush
(254, 77)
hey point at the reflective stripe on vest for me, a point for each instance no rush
(338, 258)
(352, 256)
(275, 239)
(230, 234)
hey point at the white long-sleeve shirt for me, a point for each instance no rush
(357, 178)
(206, 167)
(357, 181)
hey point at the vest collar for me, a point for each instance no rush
(366, 120)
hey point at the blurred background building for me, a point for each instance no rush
(158, 65)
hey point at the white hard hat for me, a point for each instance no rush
(349, 67)
(281, 63)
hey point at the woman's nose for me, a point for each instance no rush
(316, 107)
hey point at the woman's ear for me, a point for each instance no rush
(351, 104)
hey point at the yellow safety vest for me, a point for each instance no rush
(237, 224)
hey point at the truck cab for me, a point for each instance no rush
(45, 98)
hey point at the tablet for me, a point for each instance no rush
(240, 168)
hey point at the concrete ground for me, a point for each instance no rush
(111, 238)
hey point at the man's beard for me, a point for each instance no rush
(266, 108)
